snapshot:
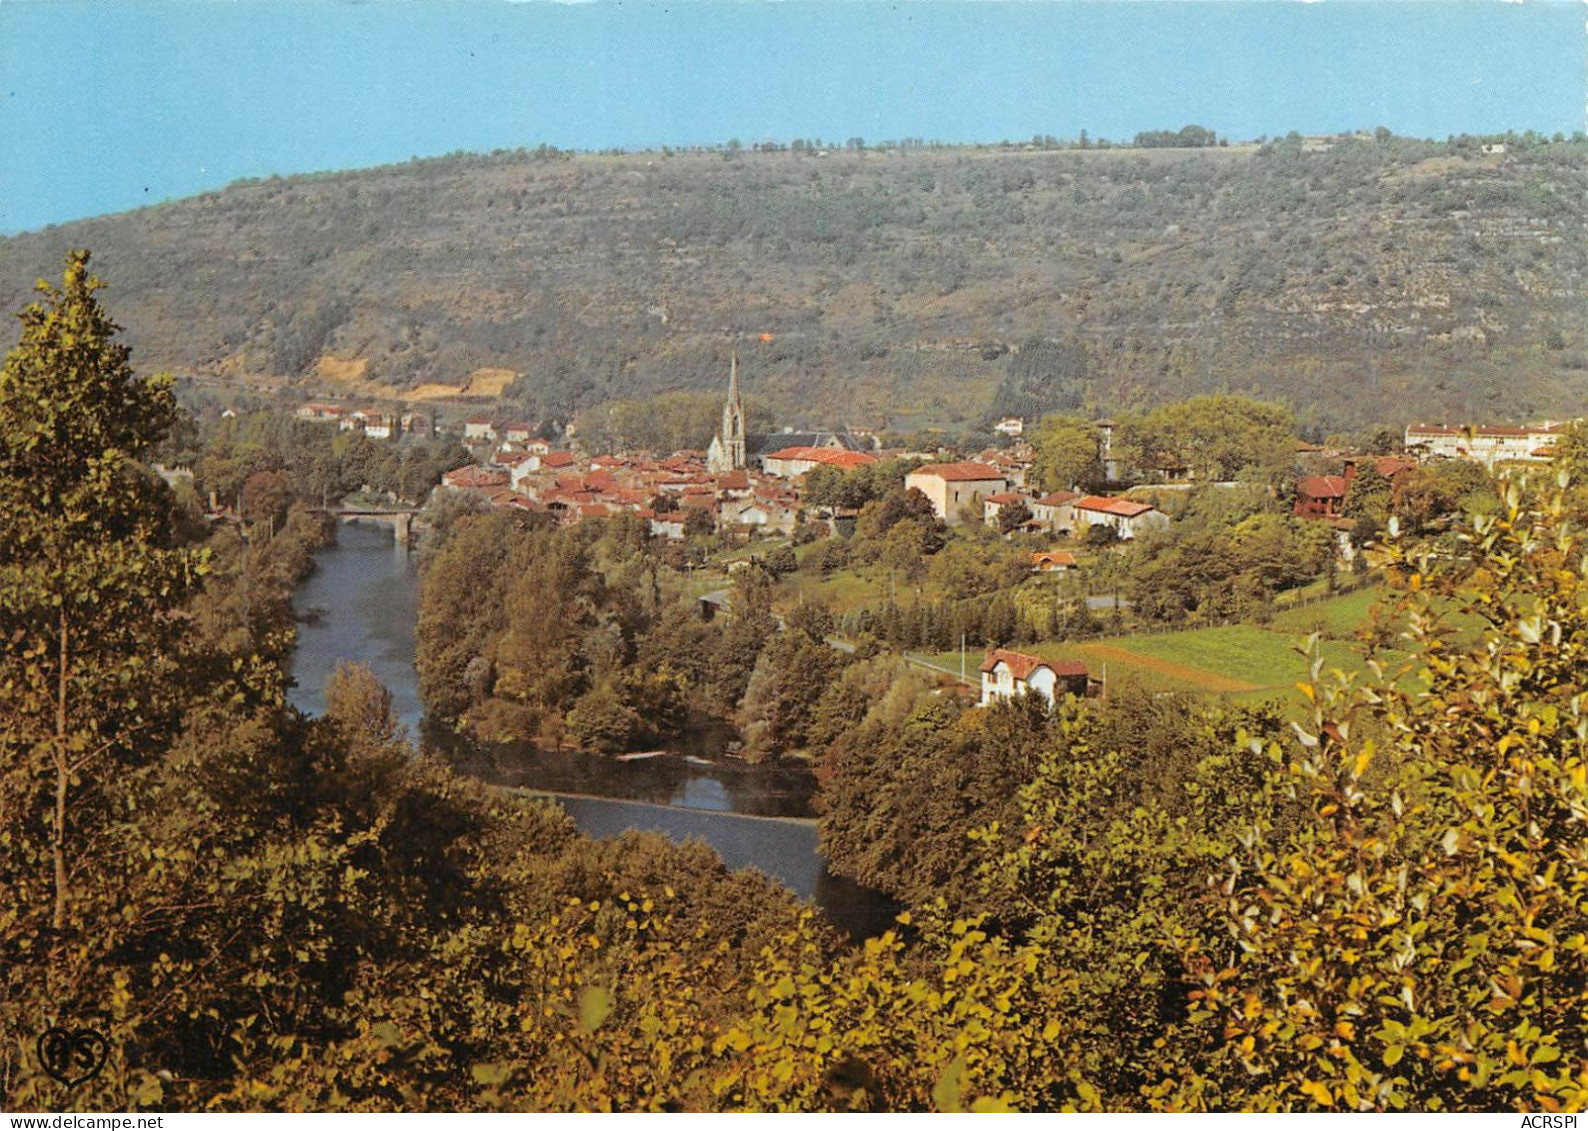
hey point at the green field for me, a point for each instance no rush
(843, 592)
(1338, 617)
(1245, 662)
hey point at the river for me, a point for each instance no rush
(361, 604)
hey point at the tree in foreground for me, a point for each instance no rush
(87, 581)
(1419, 941)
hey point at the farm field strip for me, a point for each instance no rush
(1242, 660)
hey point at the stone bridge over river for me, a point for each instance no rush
(400, 519)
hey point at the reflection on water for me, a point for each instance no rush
(781, 847)
(715, 785)
(362, 604)
(754, 816)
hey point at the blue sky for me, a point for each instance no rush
(109, 105)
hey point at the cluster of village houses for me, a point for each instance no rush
(752, 483)
(371, 422)
(529, 474)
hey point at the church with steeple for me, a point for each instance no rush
(727, 450)
(733, 449)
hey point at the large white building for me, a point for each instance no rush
(953, 486)
(1487, 444)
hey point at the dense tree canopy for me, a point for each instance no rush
(1149, 904)
(1068, 454)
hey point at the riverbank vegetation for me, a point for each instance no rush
(605, 637)
(1161, 904)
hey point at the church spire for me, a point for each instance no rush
(727, 451)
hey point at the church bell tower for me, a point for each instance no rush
(727, 450)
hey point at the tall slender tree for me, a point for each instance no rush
(87, 582)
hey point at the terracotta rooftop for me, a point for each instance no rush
(1053, 557)
(475, 478)
(1124, 508)
(1022, 666)
(833, 457)
(1391, 466)
(1322, 487)
(960, 472)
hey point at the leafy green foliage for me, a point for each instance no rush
(88, 581)
(1144, 904)
(1068, 454)
(1218, 438)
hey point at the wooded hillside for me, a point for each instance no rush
(1367, 282)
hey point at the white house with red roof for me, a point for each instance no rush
(1127, 517)
(952, 487)
(993, 505)
(320, 413)
(1006, 674)
(767, 514)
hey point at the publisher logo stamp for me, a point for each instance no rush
(72, 1056)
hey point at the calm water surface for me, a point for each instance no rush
(362, 604)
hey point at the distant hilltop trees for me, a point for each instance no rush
(1187, 137)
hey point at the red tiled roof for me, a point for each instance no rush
(733, 481)
(960, 472)
(1391, 466)
(474, 478)
(1058, 498)
(1003, 497)
(1322, 487)
(1054, 557)
(833, 457)
(1022, 666)
(1123, 508)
